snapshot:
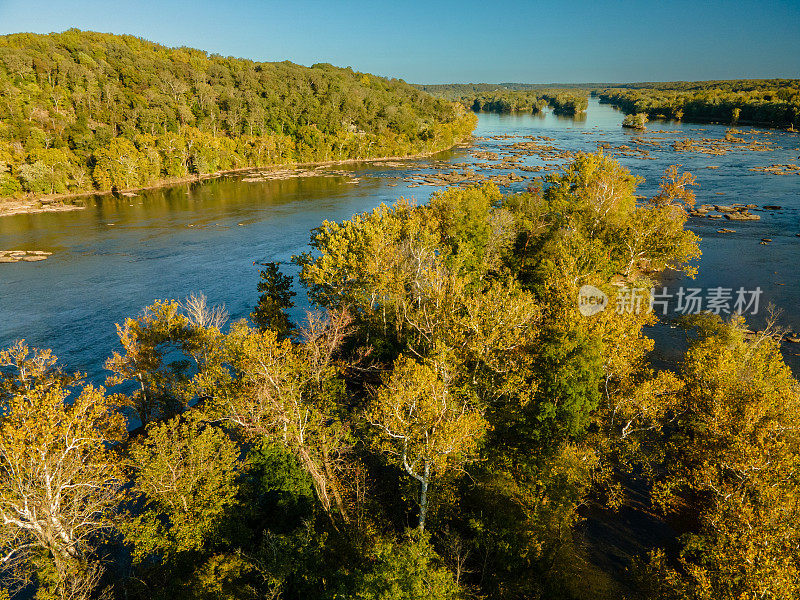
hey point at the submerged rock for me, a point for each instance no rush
(14, 256)
(742, 216)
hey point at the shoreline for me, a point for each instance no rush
(654, 119)
(56, 202)
(701, 121)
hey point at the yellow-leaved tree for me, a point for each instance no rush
(183, 474)
(59, 476)
(733, 469)
(290, 393)
(425, 425)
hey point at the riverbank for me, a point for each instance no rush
(62, 202)
(723, 123)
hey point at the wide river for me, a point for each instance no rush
(119, 254)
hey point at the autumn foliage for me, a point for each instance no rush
(439, 426)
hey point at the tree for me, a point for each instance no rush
(636, 121)
(275, 298)
(407, 570)
(424, 424)
(9, 185)
(732, 464)
(656, 238)
(184, 481)
(49, 172)
(59, 473)
(119, 165)
(291, 393)
(189, 334)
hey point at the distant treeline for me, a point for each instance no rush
(567, 102)
(505, 101)
(458, 89)
(773, 102)
(84, 110)
(512, 97)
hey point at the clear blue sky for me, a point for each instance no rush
(460, 41)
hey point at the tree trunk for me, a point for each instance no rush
(317, 478)
(334, 485)
(423, 495)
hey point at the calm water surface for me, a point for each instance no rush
(118, 255)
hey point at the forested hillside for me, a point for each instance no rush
(773, 102)
(84, 110)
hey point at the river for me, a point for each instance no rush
(119, 254)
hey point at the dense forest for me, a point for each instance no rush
(438, 427)
(772, 102)
(82, 111)
(512, 97)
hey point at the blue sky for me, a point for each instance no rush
(460, 41)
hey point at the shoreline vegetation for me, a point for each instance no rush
(513, 97)
(85, 112)
(61, 202)
(771, 103)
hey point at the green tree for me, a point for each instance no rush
(185, 473)
(9, 185)
(637, 121)
(119, 165)
(275, 298)
(409, 570)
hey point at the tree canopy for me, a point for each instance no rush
(439, 425)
